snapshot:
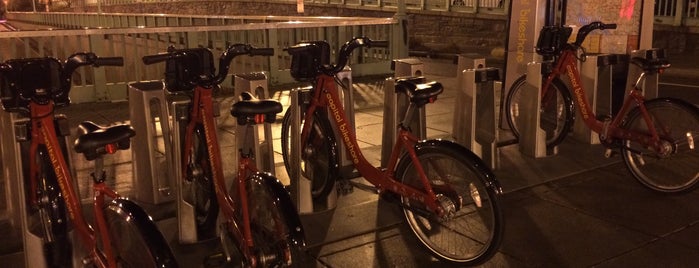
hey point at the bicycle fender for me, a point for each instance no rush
(148, 230)
(675, 101)
(479, 165)
(291, 216)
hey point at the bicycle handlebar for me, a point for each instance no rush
(346, 51)
(210, 79)
(585, 30)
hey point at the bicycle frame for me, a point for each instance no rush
(43, 132)
(567, 65)
(326, 95)
(202, 112)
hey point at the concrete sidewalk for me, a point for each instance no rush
(575, 209)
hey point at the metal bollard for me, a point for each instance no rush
(257, 84)
(152, 169)
(596, 78)
(477, 112)
(300, 185)
(532, 139)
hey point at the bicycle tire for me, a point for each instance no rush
(323, 162)
(54, 224)
(674, 173)
(275, 235)
(556, 121)
(202, 194)
(476, 228)
(136, 240)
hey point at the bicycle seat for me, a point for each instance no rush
(250, 108)
(651, 65)
(419, 94)
(94, 140)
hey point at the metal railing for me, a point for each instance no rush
(466, 6)
(667, 12)
(136, 35)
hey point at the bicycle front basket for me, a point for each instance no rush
(307, 57)
(180, 72)
(32, 78)
(552, 39)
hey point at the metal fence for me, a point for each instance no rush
(136, 35)
(668, 12)
(466, 6)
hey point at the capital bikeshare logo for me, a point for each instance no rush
(343, 127)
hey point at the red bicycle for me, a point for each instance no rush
(258, 219)
(448, 195)
(655, 137)
(122, 233)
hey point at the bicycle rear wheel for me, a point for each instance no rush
(136, 240)
(319, 161)
(52, 218)
(270, 232)
(473, 232)
(677, 124)
(557, 110)
(201, 187)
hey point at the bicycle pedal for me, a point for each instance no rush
(390, 197)
(344, 187)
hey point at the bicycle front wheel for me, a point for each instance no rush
(51, 218)
(557, 110)
(200, 193)
(677, 124)
(269, 226)
(319, 158)
(136, 240)
(471, 234)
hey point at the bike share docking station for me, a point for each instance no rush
(152, 160)
(474, 124)
(257, 84)
(527, 18)
(301, 187)
(14, 146)
(161, 116)
(395, 106)
(597, 77)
